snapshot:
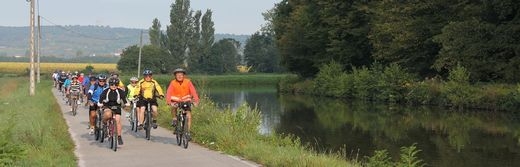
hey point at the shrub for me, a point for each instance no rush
(392, 83)
(329, 80)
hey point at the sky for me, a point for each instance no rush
(229, 16)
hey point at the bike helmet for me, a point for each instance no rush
(74, 76)
(93, 78)
(113, 81)
(179, 70)
(147, 72)
(102, 77)
(134, 79)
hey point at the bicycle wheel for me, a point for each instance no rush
(184, 137)
(178, 136)
(97, 128)
(134, 119)
(102, 133)
(148, 125)
(74, 107)
(115, 135)
(111, 133)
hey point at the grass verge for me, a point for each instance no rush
(35, 131)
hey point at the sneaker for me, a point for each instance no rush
(78, 102)
(154, 124)
(120, 140)
(127, 115)
(140, 126)
(174, 123)
(91, 131)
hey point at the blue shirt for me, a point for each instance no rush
(86, 81)
(96, 93)
(67, 83)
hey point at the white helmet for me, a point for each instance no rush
(134, 79)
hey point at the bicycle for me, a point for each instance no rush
(111, 128)
(133, 115)
(148, 120)
(99, 130)
(74, 95)
(181, 131)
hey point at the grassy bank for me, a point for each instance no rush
(34, 132)
(393, 84)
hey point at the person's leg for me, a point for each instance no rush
(188, 116)
(154, 116)
(174, 114)
(107, 113)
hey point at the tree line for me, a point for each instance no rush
(427, 38)
(189, 42)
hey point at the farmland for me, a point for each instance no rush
(20, 68)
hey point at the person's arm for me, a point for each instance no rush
(193, 93)
(123, 96)
(159, 88)
(103, 96)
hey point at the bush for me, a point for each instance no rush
(330, 80)
(408, 158)
(458, 90)
(392, 84)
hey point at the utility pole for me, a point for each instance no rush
(31, 73)
(38, 44)
(140, 51)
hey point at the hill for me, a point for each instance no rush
(70, 42)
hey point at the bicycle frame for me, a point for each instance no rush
(112, 129)
(181, 129)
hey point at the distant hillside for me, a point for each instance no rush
(78, 41)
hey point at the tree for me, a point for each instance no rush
(179, 31)
(224, 57)
(260, 52)
(310, 33)
(195, 45)
(153, 58)
(484, 41)
(207, 39)
(155, 33)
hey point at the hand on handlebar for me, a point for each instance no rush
(100, 104)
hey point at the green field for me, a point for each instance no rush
(33, 130)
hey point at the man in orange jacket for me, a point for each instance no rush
(181, 90)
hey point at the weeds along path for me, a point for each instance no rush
(8, 87)
(161, 150)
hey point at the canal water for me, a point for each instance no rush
(445, 138)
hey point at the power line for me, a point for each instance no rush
(78, 33)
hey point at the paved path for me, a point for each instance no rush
(161, 150)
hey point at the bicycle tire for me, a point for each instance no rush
(74, 107)
(134, 119)
(184, 137)
(115, 135)
(185, 141)
(178, 136)
(97, 128)
(103, 134)
(148, 126)
(111, 133)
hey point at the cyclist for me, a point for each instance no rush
(132, 93)
(66, 85)
(94, 92)
(120, 85)
(112, 99)
(181, 90)
(55, 77)
(149, 90)
(74, 90)
(87, 82)
(61, 80)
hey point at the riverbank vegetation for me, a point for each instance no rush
(34, 132)
(394, 85)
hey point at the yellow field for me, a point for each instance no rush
(48, 68)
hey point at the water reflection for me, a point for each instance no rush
(446, 138)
